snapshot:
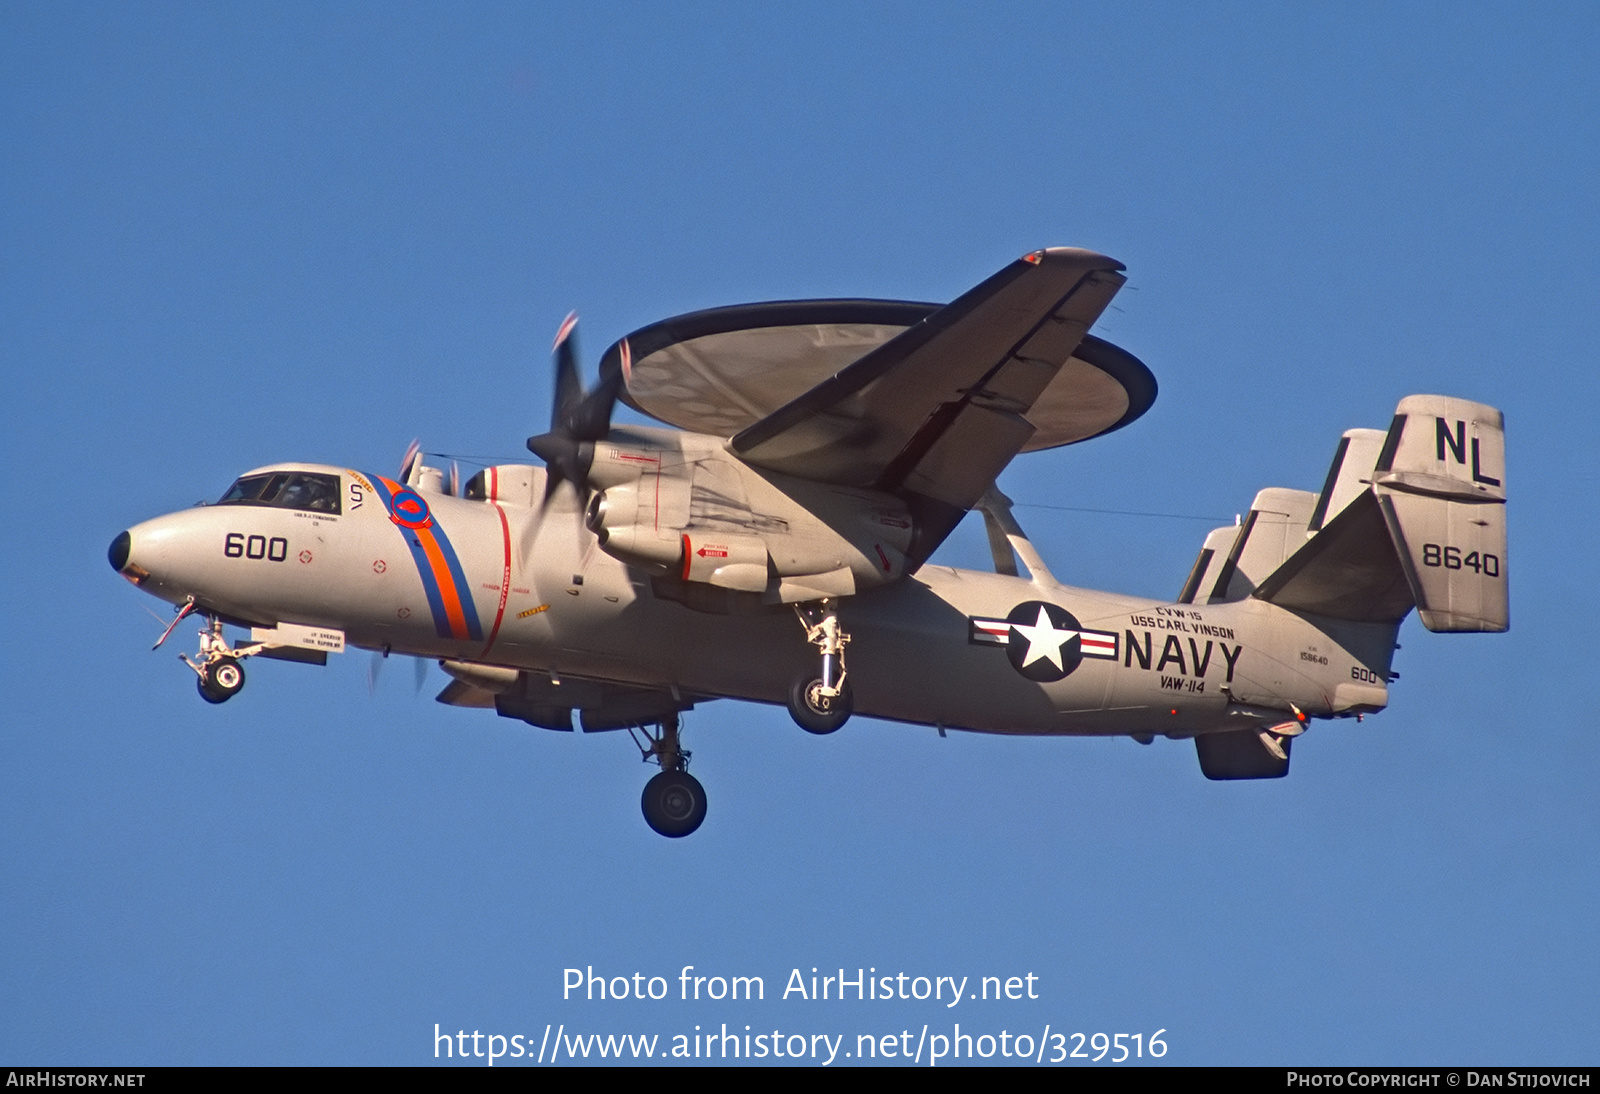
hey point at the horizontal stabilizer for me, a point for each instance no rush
(1349, 570)
(1349, 475)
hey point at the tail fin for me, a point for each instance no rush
(1422, 525)
(1349, 475)
(1235, 560)
(1441, 485)
(1206, 567)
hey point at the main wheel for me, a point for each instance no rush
(222, 680)
(815, 712)
(674, 803)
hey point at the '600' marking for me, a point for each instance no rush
(239, 545)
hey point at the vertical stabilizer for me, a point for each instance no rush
(1203, 578)
(1274, 530)
(1440, 482)
(1349, 475)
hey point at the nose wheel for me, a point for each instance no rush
(220, 680)
(674, 802)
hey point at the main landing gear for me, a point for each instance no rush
(674, 802)
(820, 701)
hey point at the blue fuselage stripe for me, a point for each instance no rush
(436, 596)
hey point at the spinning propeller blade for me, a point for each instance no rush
(409, 461)
(375, 670)
(577, 420)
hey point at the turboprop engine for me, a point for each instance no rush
(678, 505)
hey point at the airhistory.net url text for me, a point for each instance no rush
(558, 1046)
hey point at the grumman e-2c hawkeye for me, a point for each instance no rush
(823, 450)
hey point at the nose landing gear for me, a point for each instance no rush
(674, 802)
(221, 675)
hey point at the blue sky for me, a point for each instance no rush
(235, 235)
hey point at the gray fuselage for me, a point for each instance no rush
(499, 583)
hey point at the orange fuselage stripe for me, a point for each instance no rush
(447, 584)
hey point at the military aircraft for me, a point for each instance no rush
(821, 451)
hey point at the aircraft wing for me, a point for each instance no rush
(925, 402)
(937, 412)
(721, 370)
(941, 408)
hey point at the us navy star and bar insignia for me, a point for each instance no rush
(1042, 641)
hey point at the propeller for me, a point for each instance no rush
(409, 462)
(375, 670)
(412, 468)
(577, 419)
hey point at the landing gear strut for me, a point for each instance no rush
(674, 802)
(821, 701)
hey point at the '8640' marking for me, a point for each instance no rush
(1450, 559)
(239, 545)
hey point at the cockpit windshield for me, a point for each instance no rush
(286, 490)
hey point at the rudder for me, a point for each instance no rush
(1440, 483)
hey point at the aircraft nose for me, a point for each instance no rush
(120, 548)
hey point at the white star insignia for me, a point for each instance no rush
(1044, 641)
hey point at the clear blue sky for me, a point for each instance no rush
(235, 234)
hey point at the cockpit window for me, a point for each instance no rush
(286, 490)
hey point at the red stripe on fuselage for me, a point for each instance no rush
(505, 582)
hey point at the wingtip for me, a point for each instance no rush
(1075, 256)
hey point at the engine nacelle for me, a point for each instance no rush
(494, 679)
(727, 559)
(708, 518)
(613, 516)
(680, 506)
